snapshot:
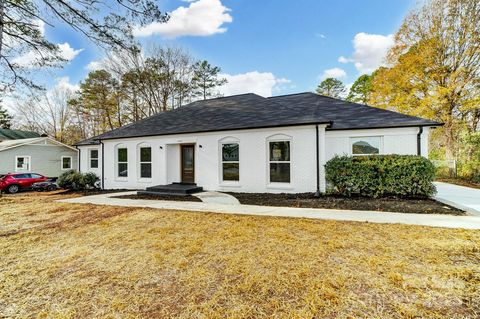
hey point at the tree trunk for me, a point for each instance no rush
(2, 6)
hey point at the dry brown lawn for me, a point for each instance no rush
(82, 261)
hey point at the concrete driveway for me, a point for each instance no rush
(462, 197)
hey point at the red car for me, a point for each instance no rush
(14, 182)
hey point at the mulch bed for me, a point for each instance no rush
(187, 198)
(308, 200)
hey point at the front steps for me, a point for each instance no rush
(175, 189)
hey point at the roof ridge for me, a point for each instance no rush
(291, 94)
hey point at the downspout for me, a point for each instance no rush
(419, 140)
(79, 158)
(103, 166)
(317, 193)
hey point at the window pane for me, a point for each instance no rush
(280, 151)
(145, 170)
(280, 172)
(122, 155)
(66, 162)
(231, 172)
(230, 152)
(145, 154)
(94, 163)
(93, 154)
(366, 145)
(35, 176)
(122, 169)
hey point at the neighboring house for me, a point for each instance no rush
(248, 143)
(6, 135)
(42, 155)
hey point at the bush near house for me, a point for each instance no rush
(381, 175)
(74, 180)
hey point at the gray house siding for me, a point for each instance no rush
(45, 159)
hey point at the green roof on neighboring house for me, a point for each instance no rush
(16, 134)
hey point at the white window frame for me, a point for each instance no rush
(71, 163)
(279, 185)
(90, 158)
(29, 163)
(117, 163)
(221, 142)
(139, 167)
(229, 162)
(352, 138)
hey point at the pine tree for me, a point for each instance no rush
(331, 87)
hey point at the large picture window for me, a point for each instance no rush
(366, 145)
(122, 162)
(280, 162)
(145, 162)
(230, 162)
(93, 158)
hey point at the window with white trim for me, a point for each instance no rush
(366, 145)
(122, 162)
(145, 162)
(93, 158)
(279, 161)
(230, 162)
(22, 163)
(66, 162)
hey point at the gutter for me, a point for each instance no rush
(103, 166)
(419, 140)
(317, 193)
(79, 157)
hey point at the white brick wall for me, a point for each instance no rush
(254, 165)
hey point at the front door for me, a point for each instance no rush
(188, 163)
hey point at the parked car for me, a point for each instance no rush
(49, 185)
(14, 182)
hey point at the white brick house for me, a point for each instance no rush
(247, 143)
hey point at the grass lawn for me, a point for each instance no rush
(70, 260)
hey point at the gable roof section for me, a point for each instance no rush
(6, 145)
(16, 134)
(248, 111)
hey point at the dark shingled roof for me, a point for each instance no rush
(247, 111)
(17, 134)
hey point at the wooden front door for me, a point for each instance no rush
(188, 163)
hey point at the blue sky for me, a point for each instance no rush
(270, 47)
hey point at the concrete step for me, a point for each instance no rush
(174, 189)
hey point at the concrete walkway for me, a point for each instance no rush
(217, 198)
(448, 221)
(465, 198)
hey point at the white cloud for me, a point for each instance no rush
(333, 73)
(200, 18)
(32, 58)
(369, 51)
(64, 83)
(261, 83)
(94, 66)
(41, 25)
(321, 35)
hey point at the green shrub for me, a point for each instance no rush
(74, 180)
(381, 175)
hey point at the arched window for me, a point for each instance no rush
(279, 158)
(230, 159)
(145, 160)
(122, 161)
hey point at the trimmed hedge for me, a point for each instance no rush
(381, 175)
(74, 180)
